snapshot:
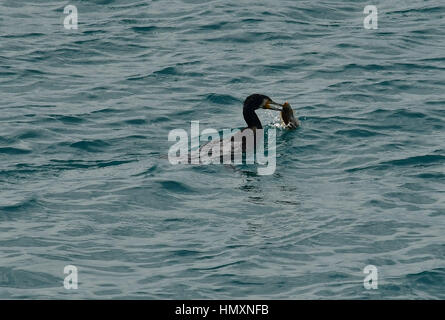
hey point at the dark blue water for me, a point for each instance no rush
(84, 120)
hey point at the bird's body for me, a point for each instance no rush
(239, 141)
(242, 142)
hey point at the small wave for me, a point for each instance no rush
(432, 175)
(18, 206)
(213, 26)
(135, 121)
(357, 133)
(430, 281)
(416, 160)
(23, 35)
(223, 99)
(107, 110)
(82, 164)
(14, 151)
(434, 9)
(167, 71)
(30, 134)
(16, 278)
(397, 114)
(68, 119)
(90, 145)
(160, 119)
(174, 186)
(151, 29)
(144, 29)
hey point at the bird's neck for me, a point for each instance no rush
(252, 119)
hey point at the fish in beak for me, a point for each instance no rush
(288, 116)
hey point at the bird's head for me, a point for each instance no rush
(260, 101)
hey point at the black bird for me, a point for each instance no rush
(254, 102)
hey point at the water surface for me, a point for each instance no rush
(85, 116)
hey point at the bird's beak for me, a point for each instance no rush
(269, 104)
